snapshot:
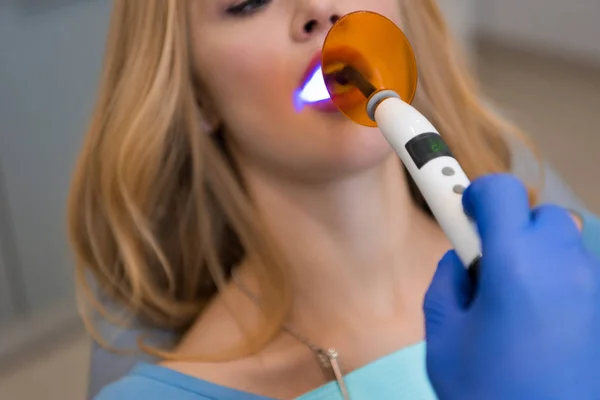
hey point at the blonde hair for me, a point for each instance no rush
(157, 216)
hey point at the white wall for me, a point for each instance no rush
(461, 15)
(49, 64)
(561, 27)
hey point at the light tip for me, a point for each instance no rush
(314, 89)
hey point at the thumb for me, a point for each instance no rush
(448, 294)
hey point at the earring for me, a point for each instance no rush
(208, 125)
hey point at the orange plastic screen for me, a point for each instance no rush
(379, 50)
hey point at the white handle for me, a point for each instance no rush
(441, 180)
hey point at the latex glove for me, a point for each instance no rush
(532, 329)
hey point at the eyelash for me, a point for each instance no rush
(246, 7)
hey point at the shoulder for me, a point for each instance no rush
(154, 387)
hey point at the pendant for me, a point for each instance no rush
(333, 356)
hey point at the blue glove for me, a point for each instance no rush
(530, 329)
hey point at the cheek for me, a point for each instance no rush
(241, 74)
(255, 101)
(251, 85)
(387, 8)
(248, 83)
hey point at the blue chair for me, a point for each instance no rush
(107, 367)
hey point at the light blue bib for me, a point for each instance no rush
(400, 375)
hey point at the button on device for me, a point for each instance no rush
(459, 189)
(448, 171)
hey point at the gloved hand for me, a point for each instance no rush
(531, 328)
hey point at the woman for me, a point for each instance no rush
(206, 204)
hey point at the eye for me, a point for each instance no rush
(246, 7)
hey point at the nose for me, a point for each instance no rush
(314, 18)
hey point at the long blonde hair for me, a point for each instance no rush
(157, 216)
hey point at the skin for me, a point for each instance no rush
(320, 182)
(250, 67)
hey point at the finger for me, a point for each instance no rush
(449, 292)
(499, 204)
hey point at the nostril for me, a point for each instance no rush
(310, 26)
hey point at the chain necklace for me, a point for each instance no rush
(328, 359)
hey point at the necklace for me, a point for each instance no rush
(328, 359)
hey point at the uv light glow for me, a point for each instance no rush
(314, 89)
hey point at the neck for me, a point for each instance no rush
(358, 244)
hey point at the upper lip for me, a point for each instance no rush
(314, 62)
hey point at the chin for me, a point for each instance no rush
(320, 152)
(350, 153)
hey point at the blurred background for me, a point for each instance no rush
(538, 60)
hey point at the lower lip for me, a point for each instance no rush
(326, 106)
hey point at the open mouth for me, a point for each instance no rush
(314, 89)
(327, 80)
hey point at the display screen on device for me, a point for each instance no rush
(426, 147)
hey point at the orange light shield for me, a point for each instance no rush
(379, 50)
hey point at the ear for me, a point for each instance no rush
(209, 119)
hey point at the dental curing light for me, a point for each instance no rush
(370, 72)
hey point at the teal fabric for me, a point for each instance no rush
(400, 376)
(591, 232)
